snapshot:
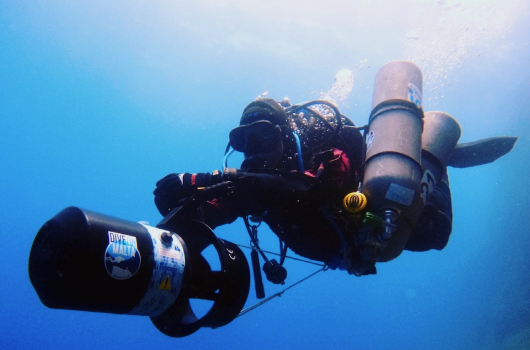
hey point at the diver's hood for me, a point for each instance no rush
(264, 109)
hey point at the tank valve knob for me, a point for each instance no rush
(390, 217)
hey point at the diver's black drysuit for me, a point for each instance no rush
(291, 204)
(305, 209)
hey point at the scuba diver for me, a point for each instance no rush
(300, 164)
(347, 196)
(273, 184)
(296, 183)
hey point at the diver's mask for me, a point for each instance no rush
(258, 137)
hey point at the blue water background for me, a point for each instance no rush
(99, 100)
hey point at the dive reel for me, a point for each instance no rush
(82, 260)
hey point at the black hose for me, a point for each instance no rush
(296, 108)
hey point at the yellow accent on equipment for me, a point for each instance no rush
(354, 202)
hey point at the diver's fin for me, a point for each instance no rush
(480, 152)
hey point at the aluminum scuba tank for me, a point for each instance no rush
(393, 171)
(440, 136)
(441, 133)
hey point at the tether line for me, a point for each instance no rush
(273, 253)
(250, 308)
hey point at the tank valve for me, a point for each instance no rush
(390, 217)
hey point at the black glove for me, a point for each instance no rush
(168, 192)
(174, 187)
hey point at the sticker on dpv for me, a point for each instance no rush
(168, 271)
(122, 258)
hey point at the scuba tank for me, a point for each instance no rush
(393, 172)
(440, 135)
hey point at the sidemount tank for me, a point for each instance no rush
(393, 171)
(83, 260)
(441, 133)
